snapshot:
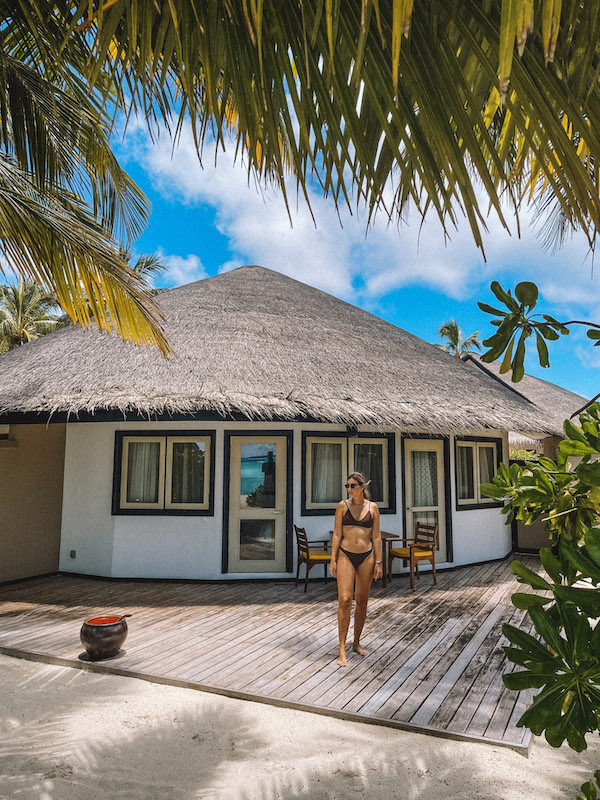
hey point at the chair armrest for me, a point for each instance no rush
(320, 542)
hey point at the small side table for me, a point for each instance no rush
(386, 541)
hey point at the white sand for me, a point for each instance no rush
(66, 734)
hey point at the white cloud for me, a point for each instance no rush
(183, 269)
(342, 260)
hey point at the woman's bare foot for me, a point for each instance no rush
(342, 659)
(359, 649)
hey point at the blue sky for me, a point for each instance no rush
(208, 220)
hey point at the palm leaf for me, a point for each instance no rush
(62, 248)
(422, 113)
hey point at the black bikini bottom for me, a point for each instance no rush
(356, 559)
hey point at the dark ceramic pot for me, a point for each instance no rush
(103, 637)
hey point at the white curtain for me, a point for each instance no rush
(326, 472)
(142, 472)
(464, 466)
(486, 464)
(424, 478)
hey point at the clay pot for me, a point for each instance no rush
(103, 637)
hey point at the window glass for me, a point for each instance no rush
(486, 464)
(187, 480)
(257, 540)
(368, 460)
(464, 468)
(326, 472)
(257, 481)
(143, 459)
(424, 478)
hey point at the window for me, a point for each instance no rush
(476, 463)
(328, 461)
(167, 474)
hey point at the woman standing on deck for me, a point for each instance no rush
(355, 558)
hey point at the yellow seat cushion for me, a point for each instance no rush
(404, 552)
(318, 555)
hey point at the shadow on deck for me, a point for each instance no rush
(435, 659)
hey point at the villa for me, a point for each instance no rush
(118, 462)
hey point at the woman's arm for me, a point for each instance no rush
(337, 537)
(376, 536)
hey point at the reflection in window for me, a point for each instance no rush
(257, 540)
(368, 460)
(187, 482)
(464, 466)
(257, 475)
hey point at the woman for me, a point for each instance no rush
(355, 558)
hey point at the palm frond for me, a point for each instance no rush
(63, 249)
(333, 92)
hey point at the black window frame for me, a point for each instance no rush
(162, 512)
(391, 454)
(499, 459)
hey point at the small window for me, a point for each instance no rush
(329, 459)
(476, 463)
(325, 471)
(165, 473)
(370, 458)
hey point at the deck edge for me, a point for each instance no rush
(106, 669)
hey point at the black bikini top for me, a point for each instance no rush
(365, 522)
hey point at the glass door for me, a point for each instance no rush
(424, 488)
(257, 504)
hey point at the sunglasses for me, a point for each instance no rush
(353, 485)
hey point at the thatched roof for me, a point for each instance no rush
(557, 403)
(255, 342)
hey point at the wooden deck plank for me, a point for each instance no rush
(270, 641)
(390, 682)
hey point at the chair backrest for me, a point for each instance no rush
(301, 540)
(426, 534)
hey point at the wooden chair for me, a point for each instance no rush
(311, 553)
(420, 548)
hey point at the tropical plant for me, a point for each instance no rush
(395, 104)
(64, 199)
(26, 313)
(517, 324)
(589, 790)
(455, 344)
(401, 102)
(520, 454)
(563, 660)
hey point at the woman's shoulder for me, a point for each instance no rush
(373, 507)
(342, 504)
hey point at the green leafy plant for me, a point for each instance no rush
(518, 323)
(523, 455)
(563, 658)
(589, 790)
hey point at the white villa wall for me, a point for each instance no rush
(191, 546)
(87, 524)
(480, 534)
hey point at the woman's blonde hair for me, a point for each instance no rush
(360, 478)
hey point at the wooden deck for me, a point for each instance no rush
(435, 660)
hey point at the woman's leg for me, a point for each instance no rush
(345, 583)
(364, 578)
